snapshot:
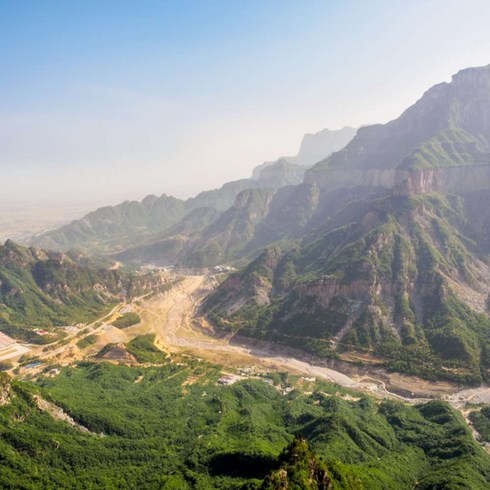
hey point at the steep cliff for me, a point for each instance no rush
(228, 236)
(448, 127)
(314, 148)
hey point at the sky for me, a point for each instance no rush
(102, 101)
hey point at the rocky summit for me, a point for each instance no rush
(391, 256)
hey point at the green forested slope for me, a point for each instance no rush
(403, 281)
(41, 289)
(162, 431)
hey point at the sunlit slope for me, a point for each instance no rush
(173, 426)
(402, 281)
(41, 289)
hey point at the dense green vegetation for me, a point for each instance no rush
(144, 349)
(43, 290)
(174, 427)
(127, 320)
(392, 288)
(481, 421)
(299, 468)
(87, 341)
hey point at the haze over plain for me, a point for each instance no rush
(102, 103)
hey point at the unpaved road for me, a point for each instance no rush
(170, 317)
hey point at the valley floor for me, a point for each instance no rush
(173, 317)
(179, 329)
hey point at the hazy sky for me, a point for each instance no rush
(106, 100)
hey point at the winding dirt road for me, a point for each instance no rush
(172, 317)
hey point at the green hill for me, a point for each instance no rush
(402, 281)
(41, 289)
(151, 428)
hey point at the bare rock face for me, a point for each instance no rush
(441, 143)
(5, 389)
(314, 147)
(455, 180)
(317, 146)
(336, 178)
(252, 286)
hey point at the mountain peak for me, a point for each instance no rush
(429, 147)
(471, 74)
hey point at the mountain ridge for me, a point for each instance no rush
(393, 257)
(114, 228)
(419, 151)
(45, 289)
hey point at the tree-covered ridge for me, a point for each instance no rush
(174, 427)
(481, 421)
(402, 281)
(301, 469)
(40, 289)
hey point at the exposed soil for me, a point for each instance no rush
(173, 318)
(58, 413)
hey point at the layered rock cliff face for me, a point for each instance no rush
(440, 144)
(455, 180)
(317, 146)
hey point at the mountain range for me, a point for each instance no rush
(378, 254)
(164, 224)
(382, 247)
(42, 290)
(392, 259)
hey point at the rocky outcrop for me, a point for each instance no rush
(333, 179)
(280, 173)
(454, 180)
(314, 147)
(317, 146)
(301, 468)
(5, 389)
(251, 286)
